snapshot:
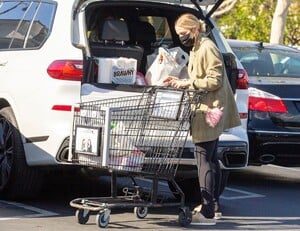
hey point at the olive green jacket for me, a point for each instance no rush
(207, 71)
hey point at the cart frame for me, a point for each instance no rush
(159, 147)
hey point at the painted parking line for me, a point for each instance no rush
(230, 193)
(247, 220)
(244, 194)
(36, 211)
(292, 169)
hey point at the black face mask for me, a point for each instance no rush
(186, 40)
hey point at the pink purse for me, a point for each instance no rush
(213, 116)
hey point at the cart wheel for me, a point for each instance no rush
(102, 218)
(82, 216)
(184, 218)
(141, 212)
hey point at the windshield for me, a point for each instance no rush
(269, 62)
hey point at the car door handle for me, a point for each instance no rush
(3, 63)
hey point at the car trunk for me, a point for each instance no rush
(89, 15)
(288, 91)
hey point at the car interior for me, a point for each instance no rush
(137, 32)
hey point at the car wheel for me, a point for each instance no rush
(17, 179)
(190, 187)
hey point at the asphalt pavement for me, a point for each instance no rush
(258, 198)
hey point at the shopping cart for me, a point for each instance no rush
(137, 136)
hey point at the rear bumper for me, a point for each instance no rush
(232, 155)
(280, 148)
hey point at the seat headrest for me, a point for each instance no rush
(114, 30)
(142, 32)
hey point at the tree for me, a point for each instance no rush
(224, 8)
(292, 28)
(252, 20)
(279, 21)
(248, 20)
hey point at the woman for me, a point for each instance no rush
(216, 112)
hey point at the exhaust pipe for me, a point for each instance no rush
(267, 158)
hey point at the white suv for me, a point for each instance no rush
(40, 73)
(42, 45)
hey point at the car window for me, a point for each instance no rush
(41, 26)
(24, 24)
(162, 29)
(269, 62)
(11, 14)
(18, 35)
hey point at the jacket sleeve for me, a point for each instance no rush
(212, 64)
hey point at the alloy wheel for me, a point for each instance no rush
(6, 151)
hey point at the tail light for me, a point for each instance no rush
(66, 69)
(65, 108)
(243, 80)
(265, 102)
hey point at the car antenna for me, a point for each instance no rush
(260, 46)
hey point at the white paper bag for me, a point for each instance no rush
(117, 70)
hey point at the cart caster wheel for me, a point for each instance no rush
(102, 218)
(141, 212)
(82, 216)
(184, 218)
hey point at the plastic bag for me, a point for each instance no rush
(124, 155)
(180, 56)
(163, 66)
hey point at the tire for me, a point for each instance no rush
(82, 216)
(184, 218)
(141, 212)
(17, 179)
(102, 219)
(190, 187)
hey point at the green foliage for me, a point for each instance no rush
(248, 20)
(292, 29)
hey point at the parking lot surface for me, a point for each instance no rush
(258, 198)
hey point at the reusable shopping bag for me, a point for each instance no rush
(117, 70)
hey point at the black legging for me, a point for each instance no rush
(209, 174)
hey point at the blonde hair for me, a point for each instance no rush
(188, 22)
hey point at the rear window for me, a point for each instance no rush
(269, 62)
(25, 24)
(162, 28)
(161, 33)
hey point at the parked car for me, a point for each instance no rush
(44, 47)
(40, 79)
(274, 101)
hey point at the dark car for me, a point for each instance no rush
(274, 101)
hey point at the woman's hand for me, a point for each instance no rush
(176, 82)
